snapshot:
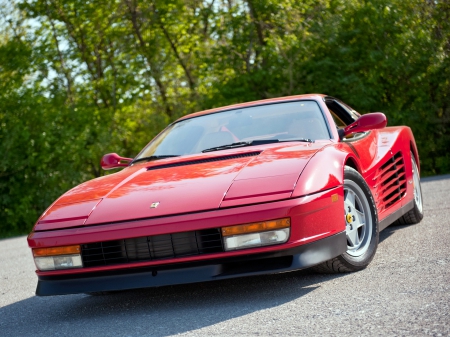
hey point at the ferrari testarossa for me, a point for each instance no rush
(254, 188)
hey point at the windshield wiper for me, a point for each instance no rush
(228, 146)
(154, 158)
(256, 142)
(306, 140)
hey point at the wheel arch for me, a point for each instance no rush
(351, 162)
(413, 149)
(329, 162)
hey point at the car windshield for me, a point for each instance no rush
(280, 121)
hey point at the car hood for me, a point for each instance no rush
(183, 185)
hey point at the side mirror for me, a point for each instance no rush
(371, 121)
(113, 160)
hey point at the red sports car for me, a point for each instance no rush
(254, 188)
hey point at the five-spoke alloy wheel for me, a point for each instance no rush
(358, 219)
(361, 222)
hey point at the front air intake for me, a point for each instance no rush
(151, 248)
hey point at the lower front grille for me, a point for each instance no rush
(149, 248)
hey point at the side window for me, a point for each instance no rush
(339, 123)
(343, 115)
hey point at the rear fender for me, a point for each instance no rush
(413, 147)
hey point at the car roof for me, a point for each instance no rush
(254, 103)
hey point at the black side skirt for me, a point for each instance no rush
(300, 257)
(394, 216)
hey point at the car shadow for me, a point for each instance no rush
(158, 311)
(388, 231)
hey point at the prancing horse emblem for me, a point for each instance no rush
(154, 205)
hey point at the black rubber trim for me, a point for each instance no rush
(353, 149)
(394, 216)
(300, 257)
(205, 160)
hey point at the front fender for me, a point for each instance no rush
(324, 171)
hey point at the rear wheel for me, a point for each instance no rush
(415, 215)
(361, 227)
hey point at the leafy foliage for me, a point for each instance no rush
(82, 78)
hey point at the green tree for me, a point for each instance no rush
(82, 78)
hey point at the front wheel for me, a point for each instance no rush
(361, 222)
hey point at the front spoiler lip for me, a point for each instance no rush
(296, 258)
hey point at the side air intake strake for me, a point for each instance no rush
(390, 184)
(206, 160)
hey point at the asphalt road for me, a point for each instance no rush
(405, 291)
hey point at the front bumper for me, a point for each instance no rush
(315, 220)
(296, 258)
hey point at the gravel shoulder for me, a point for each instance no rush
(405, 291)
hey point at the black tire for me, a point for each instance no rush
(415, 215)
(357, 257)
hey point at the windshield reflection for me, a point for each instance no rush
(282, 121)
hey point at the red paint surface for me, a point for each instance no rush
(372, 121)
(271, 175)
(306, 215)
(113, 160)
(66, 215)
(227, 192)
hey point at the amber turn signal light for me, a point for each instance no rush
(256, 227)
(53, 251)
